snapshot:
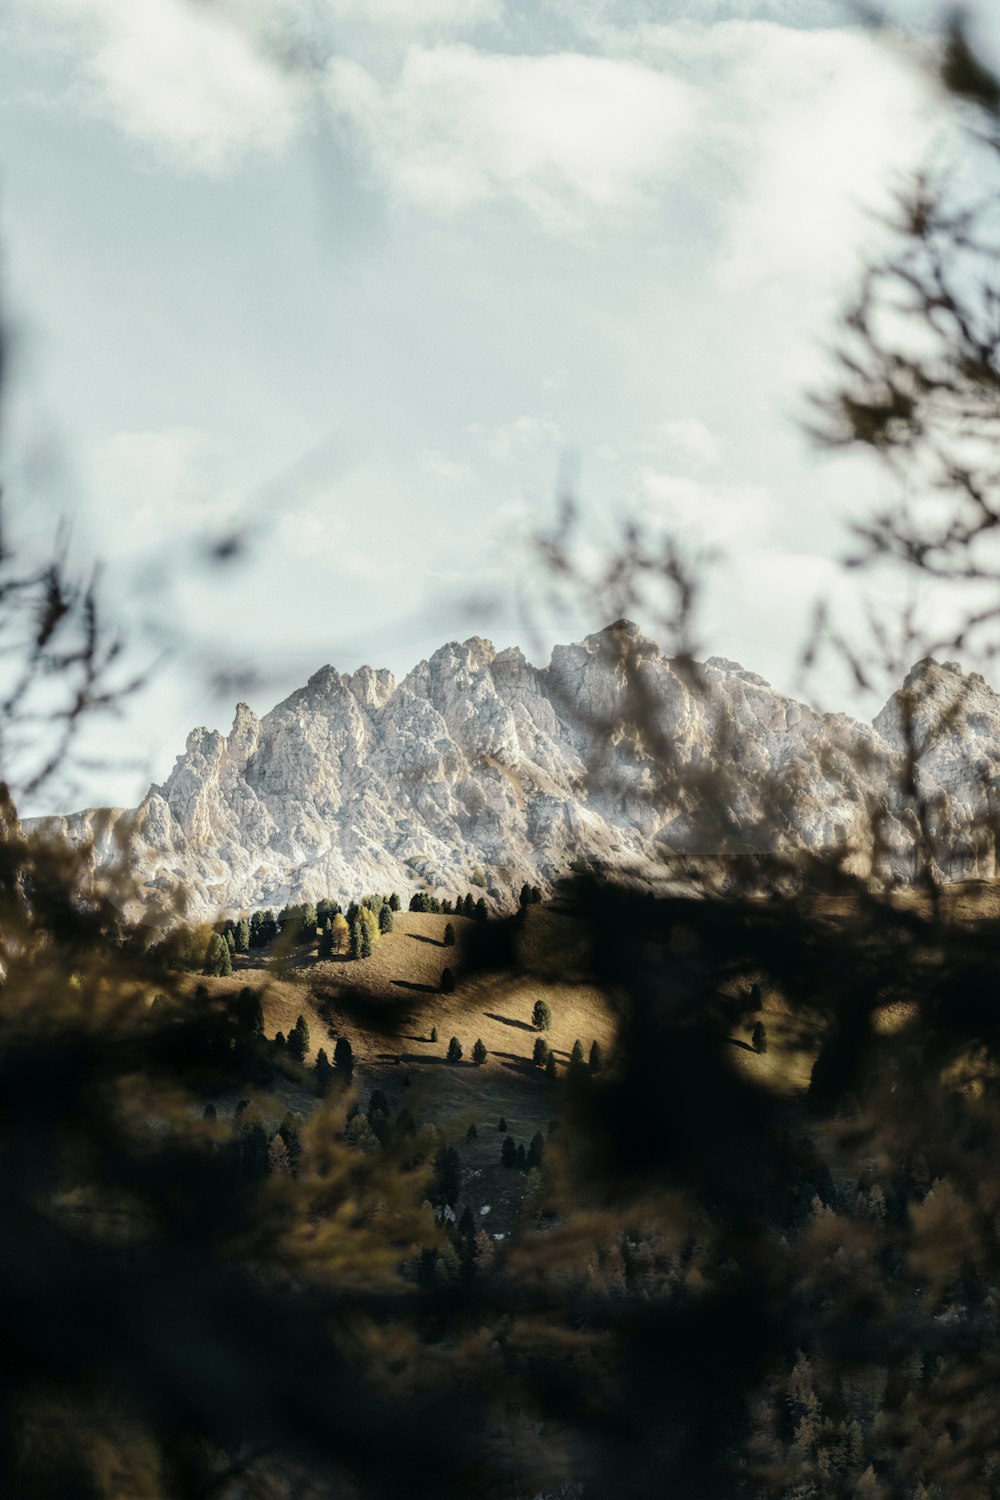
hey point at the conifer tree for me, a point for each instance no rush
(298, 1039)
(385, 918)
(454, 1050)
(502, 1125)
(479, 1053)
(522, 1157)
(508, 1152)
(434, 1033)
(758, 1040)
(343, 1059)
(449, 935)
(218, 960)
(394, 902)
(536, 1151)
(596, 1057)
(250, 1012)
(230, 941)
(279, 1040)
(341, 932)
(550, 1065)
(480, 910)
(322, 1072)
(447, 981)
(243, 936)
(576, 1058)
(469, 905)
(355, 938)
(541, 1016)
(364, 938)
(541, 1052)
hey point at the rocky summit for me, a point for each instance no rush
(481, 769)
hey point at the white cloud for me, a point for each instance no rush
(182, 78)
(716, 515)
(515, 440)
(155, 485)
(689, 439)
(439, 466)
(557, 133)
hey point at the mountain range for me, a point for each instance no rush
(480, 769)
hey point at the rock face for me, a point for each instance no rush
(480, 762)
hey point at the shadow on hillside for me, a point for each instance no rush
(421, 989)
(418, 937)
(735, 1042)
(509, 1021)
(516, 1064)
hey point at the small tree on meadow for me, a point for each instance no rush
(479, 1052)
(250, 1012)
(480, 910)
(576, 1058)
(502, 1125)
(541, 1053)
(447, 981)
(394, 902)
(454, 1050)
(541, 1016)
(550, 1065)
(298, 1039)
(508, 1152)
(341, 932)
(243, 936)
(364, 939)
(218, 959)
(385, 918)
(758, 1040)
(449, 935)
(323, 1072)
(536, 1151)
(343, 1059)
(596, 1057)
(434, 1033)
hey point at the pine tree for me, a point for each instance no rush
(210, 1113)
(479, 1053)
(279, 1041)
(454, 1050)
(536, 1151)
(758, 1040)
(322, 1072)
(343, 1059)
(449, 935)
(250, 1012)
(541, 1053)
(502, 1125)
(434, 1033)
(472, 1132)
(469, 905)
(355, 938)
(524, 899)
(385, 918)
(576, 1056)
(298, 1039)
(364, 938)
(230, 941)
(508, 1153)
(522, 1156)
(243, 936)
(290, 1132)
(394, 902)
(480, 910)
(596, 1057)
(447, 981)
(218, 960)
(550, 1065)
(541, 1016)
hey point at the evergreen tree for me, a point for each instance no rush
(469, 905)
(596, 1057)
(434, 1033)
(447, 981)
(230, 941)
(279, 1041)
(550, 1065)
(454, 1050)
(758, 1040)
(378, 1104)
(210, 1113)
(479, 1053)
(447, 1181)
(290, 1131)
(536, 894)
(508, 1153)
(308, 924)
(536, 1151)
(356, 938)
(502, 1125)
(576, 1056)
(343, 1059)
(525, 897)
(298, 1039)
(394, 902)
(541, 1053)
(325, 949)
(522, 1157)
(243, 936)
(364, 938)
(218, 960)
(385, 918)
(446, 906)
(541, 1016)
(480, 910)
(472, 1132)
(449, 935)
(322, 1072)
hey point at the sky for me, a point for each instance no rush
(372, 284)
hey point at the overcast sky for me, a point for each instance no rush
(373, 282)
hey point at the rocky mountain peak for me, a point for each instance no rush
(479, 760)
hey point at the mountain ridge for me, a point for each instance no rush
(478, 761)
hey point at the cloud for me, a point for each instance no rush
(689, 439)
(726, 516)
(556, 133)
(181, 77)
(156, 485)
